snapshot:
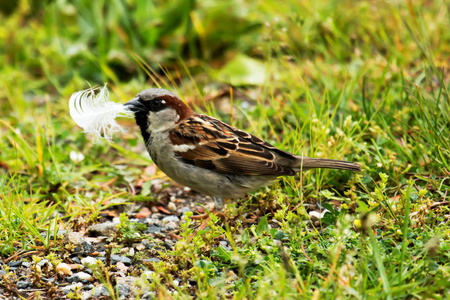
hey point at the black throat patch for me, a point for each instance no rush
(142, 122)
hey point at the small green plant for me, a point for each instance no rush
(129, 232)
(76, 294)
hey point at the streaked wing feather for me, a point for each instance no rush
(225, 149)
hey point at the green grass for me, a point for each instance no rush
(364, 81)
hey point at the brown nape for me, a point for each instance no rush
(181, 108)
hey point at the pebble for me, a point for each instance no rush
(137, 220)
(88, 287)
(26, 264)
(86, 296)
(72, 287)
(100, 290)
(42, 263)
(80, 276)
(153, 229)
(150, 222)
(23, 284)
(123, 290)
(157, 216)
(147, 274)
(140, 247)
(89, 261)
(150, 245)
(121, 266)
(116, 258)
(89, 271)
(171, 219)
(75, 259)
(81, 245)
(83, 276)
(151, 260)
(131, 252)
(63, 268)
(184, 210)
(50, 279)
(103, 229)
(171, 206)
(169, 244)
(15, 264)
(171, 226)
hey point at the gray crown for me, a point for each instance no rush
(150, 94)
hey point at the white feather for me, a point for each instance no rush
(183, 147)
(96, 114)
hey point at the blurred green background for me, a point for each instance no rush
(58, 44)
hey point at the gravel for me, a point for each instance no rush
(151, 260)
(116, 258)
(23, 284)
(153, 229)
(15, 264)
(72, 287)
(103, 229)
(123, 290)
(89, 261)
(42, 263)
(100, 290)
(79, 277)
(81, 245)
(171, 219)
(74, 272)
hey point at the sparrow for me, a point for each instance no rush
(210, 156)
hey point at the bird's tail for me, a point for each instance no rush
(307, 163)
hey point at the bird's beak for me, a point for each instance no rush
(135, 105)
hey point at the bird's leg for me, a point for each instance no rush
(219, 203)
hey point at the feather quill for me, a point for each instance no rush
(95, 113)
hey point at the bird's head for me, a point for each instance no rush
(157, 110)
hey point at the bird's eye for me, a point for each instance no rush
(157, 104)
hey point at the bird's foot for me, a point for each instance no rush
(216, 211)
(202, 216)
(206, 220)
(218, 206)
(206, 216)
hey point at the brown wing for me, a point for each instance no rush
(211, 144)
